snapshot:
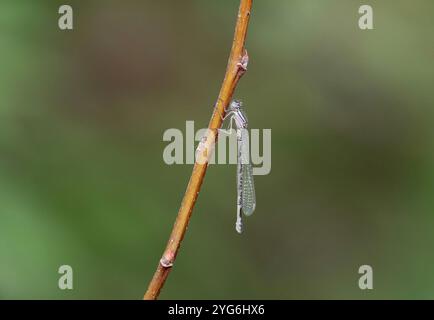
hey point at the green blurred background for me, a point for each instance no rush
(83, 182)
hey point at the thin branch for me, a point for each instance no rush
(237, 65)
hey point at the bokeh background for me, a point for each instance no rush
(83, 182)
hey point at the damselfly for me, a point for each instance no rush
(246, 199)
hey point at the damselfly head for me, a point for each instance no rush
(236, 105)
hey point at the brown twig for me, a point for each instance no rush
(237, 65)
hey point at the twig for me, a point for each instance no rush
(237, 65)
